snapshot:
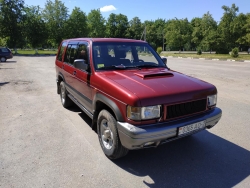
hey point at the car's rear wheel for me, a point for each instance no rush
(3, 59)
(66, 101)
(108, 136)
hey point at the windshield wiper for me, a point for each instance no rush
(147, 66)
(113, 67)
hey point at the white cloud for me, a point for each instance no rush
(107, 8)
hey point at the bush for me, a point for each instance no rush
(159, 50)
(199, 52)
(235, 52)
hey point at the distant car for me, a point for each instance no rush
(5, 53)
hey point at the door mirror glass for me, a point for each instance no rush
(81, 64)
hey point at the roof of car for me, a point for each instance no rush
(106, 40)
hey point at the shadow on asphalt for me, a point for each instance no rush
(86, 118)
(3, 83)
(74, 108)
(200, 160)
(9, 62)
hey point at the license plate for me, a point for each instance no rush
(191, 128)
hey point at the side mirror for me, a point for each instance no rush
(164, 60)
(81, 64)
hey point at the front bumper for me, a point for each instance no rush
(133, 137)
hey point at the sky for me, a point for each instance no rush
(152, 10)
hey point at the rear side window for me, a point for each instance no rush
(60, 53)
(71, 54)
(82, 52)
(4, 50)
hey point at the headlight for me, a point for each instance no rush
(143, 113)
(211, 100)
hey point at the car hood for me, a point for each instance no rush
(160, 85)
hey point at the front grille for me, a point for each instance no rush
(183, 109)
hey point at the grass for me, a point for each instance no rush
(209, 56)
(33, 52)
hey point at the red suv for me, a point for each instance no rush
(134, 100)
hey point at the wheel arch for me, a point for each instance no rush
(101, 102)
(60, 78)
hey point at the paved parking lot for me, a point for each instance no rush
(44, 145)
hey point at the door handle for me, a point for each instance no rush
(74, 73)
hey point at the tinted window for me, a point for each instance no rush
(82, 52)
(60, 53)
(71, 54)
(4, 50)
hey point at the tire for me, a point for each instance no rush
(108, 136)
(3, 59)
(65, 100)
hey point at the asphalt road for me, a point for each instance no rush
(44, 145)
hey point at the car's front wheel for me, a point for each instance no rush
(3, 59)
(66, 101)
(108, 136)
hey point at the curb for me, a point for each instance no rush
(248, 61)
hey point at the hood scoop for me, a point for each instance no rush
(148, 75)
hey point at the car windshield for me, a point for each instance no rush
(123, 55)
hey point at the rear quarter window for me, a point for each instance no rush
(4, 50)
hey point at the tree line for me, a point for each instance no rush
(25, 26)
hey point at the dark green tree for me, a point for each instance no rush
(34, 27)
(116, 26)
(76, 26)
(246, 37)
(159, 27)
(11, 20)
(55, 15)
(178, 33)
(241, 29)
(96, 24)
(154, 32)
(111, 25)
(135, 29)
(209, 30)
(122, 25)
(204, 32)
(197, 34)
(227, 36)
(149, 33)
